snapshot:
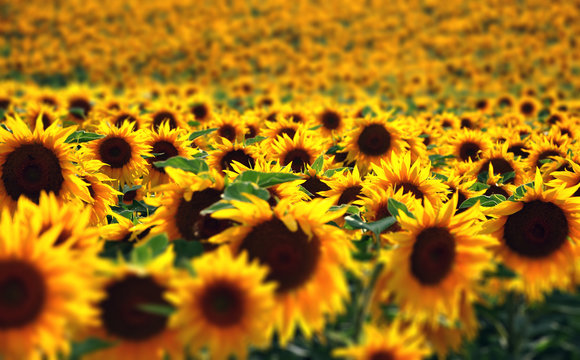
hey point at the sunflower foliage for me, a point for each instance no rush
(287, 180)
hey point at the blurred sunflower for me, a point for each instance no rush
(227, 307)
(165, 143)
(405, 177)
(102, 194)
(124, 317)
(397, 341)
(44, 298)
(502, 162)
(297, 152)
(122, 150)
(347, 186)
(227, 153)
(304, 256)
(374, 139)
(163, 114)
(438, 257)
(36, 161)
(466, 145)
(179, 213)
(537, 237)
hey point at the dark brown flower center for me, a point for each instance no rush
(383, 212)
(236, 155)
(537, 230)
(30, 169)
(82, 105)
(349, 195)
(227, 131)
(297, 118)
(330, 119)
(527, 108)
(222, 304)
(468, 151)
(288, 131)
(161, 116)
(191, 224)
(22, 294)
(298, 158)
(494, 189)
(123, 118)
(292, 258)
(122, 310)
(314, 185)
(433, 255)
(467, 123)
(382, 355)
(200, 111)
(164, 150)
(115, 152)
(410, 188)
(518, 150)
(374, 140)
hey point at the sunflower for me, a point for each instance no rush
(543, 150)
(165, 143)
(44, 297)
(297, 152)
(164, 114)
(179, 213)
(71, 219)
(439, 257)
(120, 117)
(347, 186)
(538, 237)
(136, 333)
(46, 113)
(397, 341)
(502, 162)
(275, 131)
(201, 107)
(567, 178)
(227, 153)
(374, 139)
(461, 185)
(79, 107)
(448, 121)
(277, 192)
(528, 107)
(121, 150)
(304, 255)
(227, 299)
(36, 161)
(465, 144)
(496, 185)
(103, 195)
(374, 201)
(405, 177)
(332, 121)
(229, 127)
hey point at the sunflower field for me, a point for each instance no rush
(269, 179)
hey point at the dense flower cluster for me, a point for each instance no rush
(268, 179)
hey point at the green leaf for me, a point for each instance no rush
(483, 176)
(394, 206)
(187, 249)
(82, 136)
(318, 163)
(237, 191)
(521, 191)
(152, 248)
(478, 186)
(351, 209)
(334, 149)
(440, 177)
(89, 345)
(486, 201)
(255, 139)
(376, 227)
(263, 179)
(127, 188)
(501, 271)
(315, 127)
(77, 111)
(220, 205)
(438, 160)
(195, 166)
(507, 176)
(194, 135)
(330, 172)
(157, 309)
(193, 123)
